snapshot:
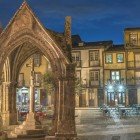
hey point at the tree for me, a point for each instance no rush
(49, 82)
(79, 86)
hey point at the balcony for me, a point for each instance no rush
(94, 63)
(94, 83)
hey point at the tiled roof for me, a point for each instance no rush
(76, 39)
(98, 43)
(116, 48)
(129, 29)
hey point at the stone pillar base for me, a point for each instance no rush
(9, 118)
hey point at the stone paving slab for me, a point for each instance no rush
(129, 136)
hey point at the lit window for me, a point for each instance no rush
(133, 38)
(115, 75)
(120, 58)
(108, 58)
(37, 60)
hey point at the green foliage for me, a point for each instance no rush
(49, 82)
(79, 86)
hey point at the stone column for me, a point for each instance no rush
(126, 100)
(105, 97)
(1, 98)
(96, 97)
(87, 98)
(77, 100)
(66, 107)
(8, 114)
(32, 94)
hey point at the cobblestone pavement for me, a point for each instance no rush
(110, 129)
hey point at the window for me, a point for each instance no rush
(76, 58)
(21, 80)
(94, 55)
(115, 75)
(94, 77)
(120, 57)
(133, 38)
(37, 79)
(37, 60)
(108, 58)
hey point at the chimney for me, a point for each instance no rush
(68, 30)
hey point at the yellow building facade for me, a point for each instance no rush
(41, 67)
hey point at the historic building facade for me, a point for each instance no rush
(110, 74)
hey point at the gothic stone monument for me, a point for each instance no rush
(23, 37)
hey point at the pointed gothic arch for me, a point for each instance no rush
(24, 36)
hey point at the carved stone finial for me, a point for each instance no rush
(68, 30)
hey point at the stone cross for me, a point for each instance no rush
(32, 87)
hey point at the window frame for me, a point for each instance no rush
(115, 75)
(93, 79)
(117, 57)
(78, 61)
(106, 58)
(131, 40)
(94, 56)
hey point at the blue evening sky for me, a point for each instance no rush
(93, 20)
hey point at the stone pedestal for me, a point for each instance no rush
(29, 128)
(9, 118)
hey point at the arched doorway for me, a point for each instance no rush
(23, 37)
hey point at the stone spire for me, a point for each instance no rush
(0, 27)
(67, 34)
(68, 30)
